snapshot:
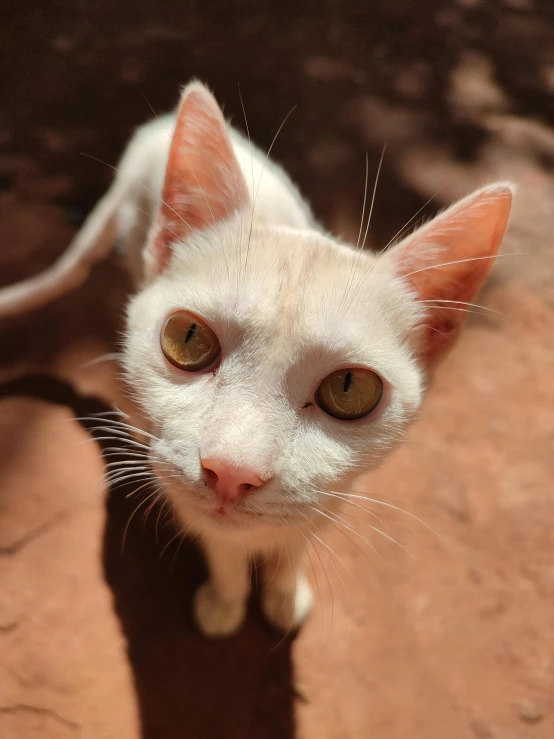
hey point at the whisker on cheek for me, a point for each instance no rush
(340, 525)
(154, 493)
(372, 499)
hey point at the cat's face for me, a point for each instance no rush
(300, 308)
(282, 359)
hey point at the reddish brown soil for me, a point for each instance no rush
(450, 631)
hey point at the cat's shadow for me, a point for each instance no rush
(188, 687)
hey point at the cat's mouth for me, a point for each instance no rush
(238, 515)
(191, 501)
(228, 517)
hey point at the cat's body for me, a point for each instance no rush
(124, 215)
(274, 363)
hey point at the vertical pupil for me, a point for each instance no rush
(190, 333)
(347, 382)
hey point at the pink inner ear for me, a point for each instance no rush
(449, 259)
(203, 184)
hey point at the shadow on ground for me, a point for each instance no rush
(186, 685)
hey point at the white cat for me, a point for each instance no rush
(274, 363)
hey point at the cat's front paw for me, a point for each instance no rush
(214, 616)
(287, 610)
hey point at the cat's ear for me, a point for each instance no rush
(203, 181)
(446, 261)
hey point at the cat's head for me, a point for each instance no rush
(277, 365)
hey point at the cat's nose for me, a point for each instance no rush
(230, 484)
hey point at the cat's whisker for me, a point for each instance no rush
(336, 493)
(120, 435)
(108, 357)
(107, 424)
(316, 580)
(170, 542)
(270, 551)
(338, 497)
(436, 330)
(339, 576)
(355, 516)
(126, 463)
(462, 261)
(289, 627)
(331, 594)
(461, 302)
(438, 303)
(121, 425)
(313, 533)
(125, 473)
(374, 193)
(153, 111)
(369, 270)
(260, 181)
(329, 552)
(95, 439)
(362, 247)
(137, 490)
(248, 135)
(179, 545)
(462, 310)
(365, 200)
(269, 554)
(137, 508)
(99, 161)
(111, 474)
(117, 485)
(338, 520)
(153, 194)
(102, 414)
(415, 215)
(123, 436)
(111, 452)
(354, 262)
(149, 511)
(377, 531)
(369, 499)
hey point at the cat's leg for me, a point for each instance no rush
(286, 596)
(220, 603)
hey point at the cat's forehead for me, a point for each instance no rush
(299, 289)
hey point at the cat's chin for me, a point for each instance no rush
(233, 520)
(200, 514)
(227, 518)
(201, 518)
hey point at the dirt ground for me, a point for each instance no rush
(446, 634)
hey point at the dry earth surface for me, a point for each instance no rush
(448, 633)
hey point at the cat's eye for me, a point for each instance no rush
(188, 343)
(349, 394)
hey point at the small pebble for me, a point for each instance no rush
(480, 728)
(529, 712)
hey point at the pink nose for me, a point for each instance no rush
(231, 484)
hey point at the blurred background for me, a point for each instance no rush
(450, 633)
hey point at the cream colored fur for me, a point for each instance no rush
(289, 305)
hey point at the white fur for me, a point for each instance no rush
(277, 297)
(289, 305)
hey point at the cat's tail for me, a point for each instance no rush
(93, 242)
